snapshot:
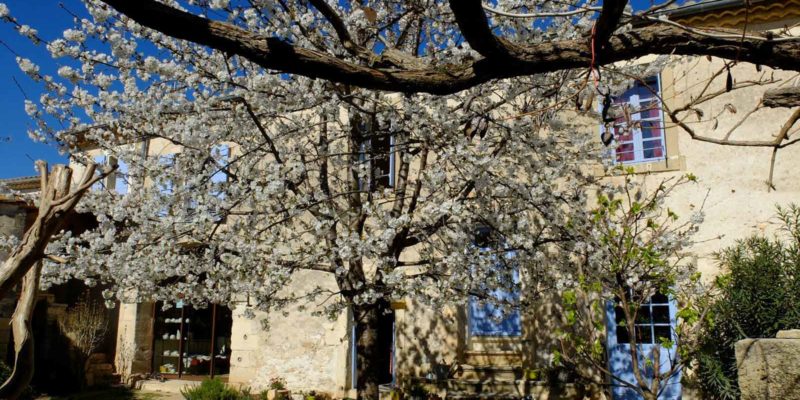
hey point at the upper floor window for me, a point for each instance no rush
(638, 129)
(377, 151)
(118, 180)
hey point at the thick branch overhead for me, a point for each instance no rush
(276, 54)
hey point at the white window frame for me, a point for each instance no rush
(637, 139)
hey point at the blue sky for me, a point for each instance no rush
(17, 150)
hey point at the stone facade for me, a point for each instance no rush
(313, 352)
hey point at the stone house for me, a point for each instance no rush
(493, 357)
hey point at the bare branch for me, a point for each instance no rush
(339, 27)
(783, 97)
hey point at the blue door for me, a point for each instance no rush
(655, 321)
(499, 315)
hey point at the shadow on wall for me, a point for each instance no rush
(435, 352)
(55, 369)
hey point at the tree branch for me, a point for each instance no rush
(56, 202)
(782, 97)
(276, 54)
(607, 22)
(339, 27)
(475, 27)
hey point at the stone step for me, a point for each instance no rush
(104, 368)
(516, 389)
(495, 344)
(494, 358)
(102, 380)
(491, 372)
(97, 358)
(482, 396)
(478, 386)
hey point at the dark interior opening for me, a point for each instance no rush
(189, 341)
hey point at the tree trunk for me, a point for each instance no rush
(373, 347)
(22, 373)
(56, 202)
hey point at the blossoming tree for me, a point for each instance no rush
(360, 143)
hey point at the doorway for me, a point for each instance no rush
(191, 342)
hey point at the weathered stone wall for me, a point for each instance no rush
(768, 368)
(731, 191)
(309, 352)
(426, 336)
(134, 339)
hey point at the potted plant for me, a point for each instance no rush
(277, 389)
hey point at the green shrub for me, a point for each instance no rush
(213, 389)
(759, 294)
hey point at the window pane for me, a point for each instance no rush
(625, 152)
(652, 149)
(643, 316)
(651, 129)
(661, 314)
(644, 334)
(621, 134)
(622, 335)
(659, 298)
(381, 164)
(663, 332)
(649, 109)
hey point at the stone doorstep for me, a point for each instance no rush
(496, 344)
(514, 389)
(494, 358)
(167, 386)
(491, 372)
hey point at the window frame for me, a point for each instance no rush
(649, 323)
(366, 156)
(637, 139)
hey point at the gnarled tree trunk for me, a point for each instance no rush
(56, 202)
(22, 373)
